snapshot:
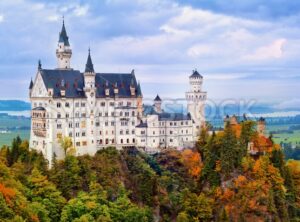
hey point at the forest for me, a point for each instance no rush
(217, 180)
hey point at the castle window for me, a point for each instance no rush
(127, 140)
(113, 141)
(153, 132)
(133, 113)
(82, 104)
(111, 103)
(133, 123)
(58, 115)
(121, 113)
(77, 143)
(127, 132)
(83, 134)
(171, 132)
(77, 134)
(58, 126)
(128, 103)
(67, 115)
(77, 114)
(121, 132)
(100, 114)
(171, 140)
(102, 103)
(97, 124)
(84, 143)
(76, 104)
(132, 132)
(106, 114)
(106, 141)
(70, 134)
(126, 113)
(106, 123)
(143, 132)
(100, 132)
(112, 123)
(67, 104)
(58, 105)
(121, 140)
(100, 141)
(77, 125)
(83, 115)
(112, 114)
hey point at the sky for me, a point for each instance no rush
(245, 49)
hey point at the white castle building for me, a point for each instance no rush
(97, 110)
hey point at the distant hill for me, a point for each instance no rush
(14, 105)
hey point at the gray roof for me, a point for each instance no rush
(157, 98)
(63, 37)
(164, 116)
(173, 116)
(74, 83)
(31, 84)
(142, 125)
(39, 108)
(89, 67)
(196, 74)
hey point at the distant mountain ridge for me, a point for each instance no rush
(14, 105)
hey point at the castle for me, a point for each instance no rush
(97, 110)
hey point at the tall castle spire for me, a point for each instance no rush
(63, 37)
(63, 51)
(89, 67)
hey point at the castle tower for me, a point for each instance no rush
(157, 104)
(261, 126)
(63, 51)
(196, 101)
(89, 76)
(139, 101)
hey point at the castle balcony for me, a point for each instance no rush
(38, 118)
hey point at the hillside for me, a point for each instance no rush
(215, 181)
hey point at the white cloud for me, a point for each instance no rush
(271, 51)
(81, 10)
(200, 50)
(53, 18)
(1, 18)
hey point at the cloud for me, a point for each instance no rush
(1, 18)
(53, 18)
(271, 51)
(81, 10)
(163, 39)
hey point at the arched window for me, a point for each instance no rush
(100, 141)
(121, 140)
(127, 140)
(106, 141)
